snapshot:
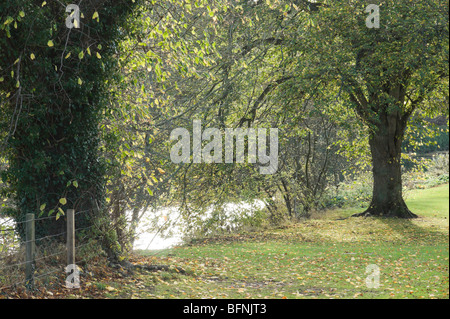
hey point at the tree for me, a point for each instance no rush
(159, 50)
(326, 51)
(387, 74)
(54, 91)
(236, 87)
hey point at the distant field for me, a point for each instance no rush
(430, 202)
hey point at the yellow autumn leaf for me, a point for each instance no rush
(50, 43)
(80, 82)
(59, 213)
(32, 57)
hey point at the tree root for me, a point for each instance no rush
(398, 212)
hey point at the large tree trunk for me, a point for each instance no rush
(385, 146)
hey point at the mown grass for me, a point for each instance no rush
(320, 258)
(431, 202)
(325, 257)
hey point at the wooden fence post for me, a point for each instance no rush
(70, 237)
(30, 250)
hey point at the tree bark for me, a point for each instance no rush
(385, 146)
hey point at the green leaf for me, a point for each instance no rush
(63, 201)
(59, 213)
(8, 20)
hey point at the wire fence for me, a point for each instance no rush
(24, 260)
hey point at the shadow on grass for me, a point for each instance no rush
(410, 229)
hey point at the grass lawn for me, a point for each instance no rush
(319, 258)
(324, 257)
(431, 202)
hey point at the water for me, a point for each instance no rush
(164, 228)
(9, 241)
(159, 229)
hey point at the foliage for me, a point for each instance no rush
(54, 92)
(431, 173)
(428, 138)
(160, 49)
